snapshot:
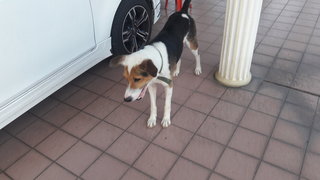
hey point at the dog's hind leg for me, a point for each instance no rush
(177, 70)
(192, 43)
(167, 107)
(153, 109)
(193, 46)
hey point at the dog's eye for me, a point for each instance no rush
(136, 79)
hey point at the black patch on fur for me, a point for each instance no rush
(173, 34)
(149, 67)
(116, 61)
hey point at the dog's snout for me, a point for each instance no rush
(128, 99)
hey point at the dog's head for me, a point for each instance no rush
(138, 75)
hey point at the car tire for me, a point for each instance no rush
(131, 28)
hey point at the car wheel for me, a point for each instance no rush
(131, 27)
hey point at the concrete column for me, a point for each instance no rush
(240, 31)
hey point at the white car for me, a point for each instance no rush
(44, 44)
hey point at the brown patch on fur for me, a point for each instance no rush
(116, 61)
(140, 75)
(172, 68)
(193, 42)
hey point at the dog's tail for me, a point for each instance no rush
(185, 6)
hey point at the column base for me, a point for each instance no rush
(232, 83)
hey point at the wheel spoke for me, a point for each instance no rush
(132, 14)
(144, 35)
(135, 44)
(126, 35)
(143, 18)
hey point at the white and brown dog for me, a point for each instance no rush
(159, 61)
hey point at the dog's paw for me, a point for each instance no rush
(197, 71)
(151, 122)
(176, 73)
(165, 122)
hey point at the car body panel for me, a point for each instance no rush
(47, 43)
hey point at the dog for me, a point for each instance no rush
(159, 61)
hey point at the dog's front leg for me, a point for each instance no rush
(153, 109)
(167, 108)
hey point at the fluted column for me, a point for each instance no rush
(240, 31)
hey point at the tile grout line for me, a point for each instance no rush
(60, 128)
(232, 134)
(193, 133)
(284, 100)
(309, 138)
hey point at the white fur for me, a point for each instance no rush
(197, 70)
(167, 108)
(177, 71)
(151, 52)
(153, 109)
(185, 16)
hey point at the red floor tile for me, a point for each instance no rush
(155, 161)
(228, 112)
(211, 88)
(127, 148)
(4, 177)
(55, 172)
(65, 92)
(236, 165)
(207, 155)
(185, 170)
(99, 85)
(266, 104)
(216, 177)
(297, 114)
(80, 124)
(238, 96)
(20, 123)
(105, 167)
(36, 132)
(11, 151)
(29, 166)
(139, 128)
(258, 122)
(133, 174)
(291, 133)
(248, 142)
(101, 107)
(56, 144)
(188, 119)
(173, 138)
(311, 166)
(116, 93)
(123, 117)
(273, 90)
(217, 130)
(60, 114)
(266, 172)
(103, 135)
(284, 156)
(314, 143)
(201, 102)
(81, 99)
(44, 106)
(79, 157)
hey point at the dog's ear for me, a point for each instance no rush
(149, 67)
(117, 60)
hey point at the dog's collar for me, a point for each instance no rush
(160, 57)
(162, 78)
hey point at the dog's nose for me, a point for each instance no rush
(128, 99)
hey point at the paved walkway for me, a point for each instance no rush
(269, 129)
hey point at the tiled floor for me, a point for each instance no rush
(269, 129)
